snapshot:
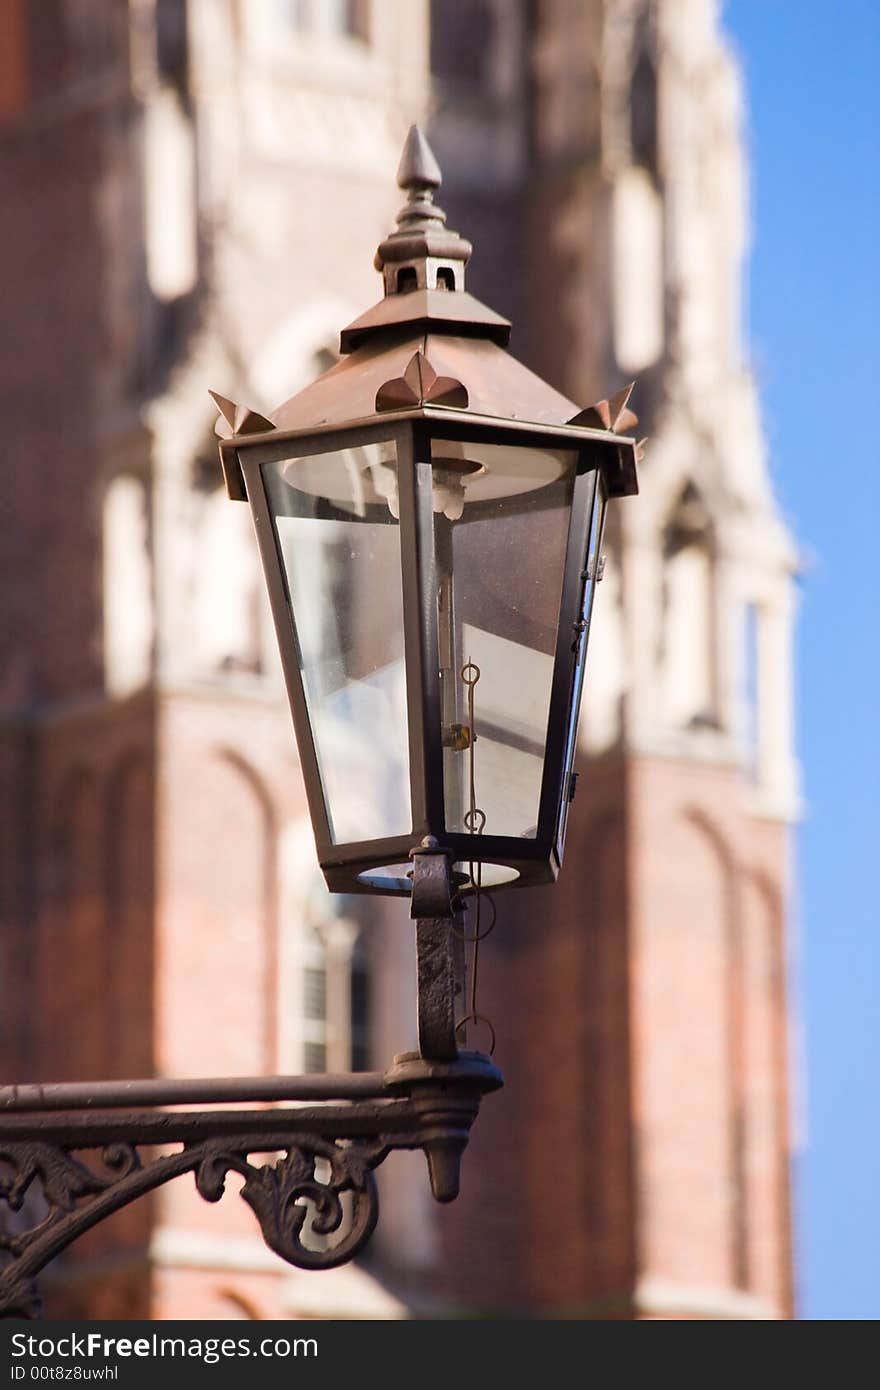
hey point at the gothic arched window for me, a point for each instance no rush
(314, 1004)
(330, 18)
(643, 112)
(462, 35)
(127, 586)
(689, 628)
(334, 998)
(228, 598)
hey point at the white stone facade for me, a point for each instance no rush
(704, 555)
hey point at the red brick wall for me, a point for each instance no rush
(640, 1008)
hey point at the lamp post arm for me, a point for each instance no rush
(69, 1159)
(439, 952)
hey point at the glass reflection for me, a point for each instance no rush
(501, 529)
(339, 543)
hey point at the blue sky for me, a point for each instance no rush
(811, 73)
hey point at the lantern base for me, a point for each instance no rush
(397, 878)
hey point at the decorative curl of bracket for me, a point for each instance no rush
(282, 1194)
(57, 1197)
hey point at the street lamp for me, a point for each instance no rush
(429, 515)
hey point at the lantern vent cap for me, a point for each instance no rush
(423, 253)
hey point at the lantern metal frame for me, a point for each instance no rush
(599, 464)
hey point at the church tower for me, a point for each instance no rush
(641, 1003)
(196, 185)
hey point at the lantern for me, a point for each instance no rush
(429, 515)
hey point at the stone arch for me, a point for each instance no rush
(683, 456)
(714, 833)
(217, 995)
(734, 1004)
(269, 892)
(290, 357)
(689, 518)
(765, 1065)
(216, 931)
(689, 1076)
(604, 1134)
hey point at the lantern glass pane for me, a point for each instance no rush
(339, 544)
(501, 521)
(591, 577)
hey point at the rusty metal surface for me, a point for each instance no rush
(613, 414)
(426, 311)
(108, 1095)
(421, 385)
(438, 1093)
(63, 1173)
(237, 419)
(495, 383)
(438, 989)
(430, 311)
(440, 963)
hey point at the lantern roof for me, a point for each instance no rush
(428, 345)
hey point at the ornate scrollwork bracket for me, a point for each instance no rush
(71, 1155)
(67, 1161)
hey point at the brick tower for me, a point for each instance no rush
(195, 187)
(646, 1052)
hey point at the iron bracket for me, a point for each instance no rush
(438, 916)
(67, 1161)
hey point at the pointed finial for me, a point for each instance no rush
(418, 169)
(422, 254)
(419, 174)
